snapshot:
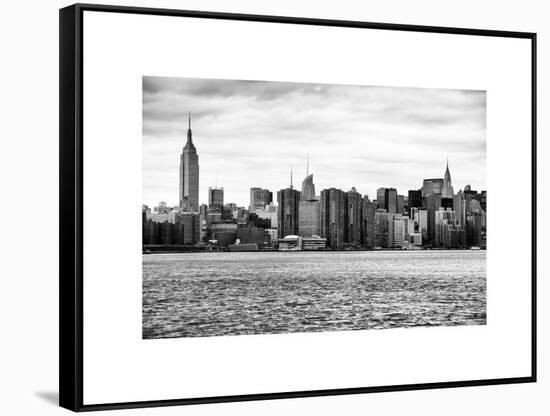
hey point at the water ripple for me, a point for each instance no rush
(209, 294)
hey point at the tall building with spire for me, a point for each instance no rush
(308, 187)
(189, 175)
(309, 208)
(287, 215)
(447, 189)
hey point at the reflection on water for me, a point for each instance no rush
(208, 294)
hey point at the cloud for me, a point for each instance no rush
(249, 133)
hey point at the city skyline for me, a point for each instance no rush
(237, 164)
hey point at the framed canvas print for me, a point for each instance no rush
(260, 207)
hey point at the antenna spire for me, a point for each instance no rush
(290, 176)
(189, 120)
(307, 165)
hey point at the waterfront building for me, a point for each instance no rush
(255, 235)
(390, 199)
(367, 223)
(314, 243)
(189, 175)
(224, 238)
(259, 198)
(150, 232)
(432, 186)
(273, 235)
(381, 228)
(243, 247)
(215, 198)
(354, 202)
(290, 243)
(309, 218)
(189, 229)
(333, 217)
(415, 239)
(287, 215)
(397, 225)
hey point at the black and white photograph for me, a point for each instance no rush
(280, 206)
(283, 207)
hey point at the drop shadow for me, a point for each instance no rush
(51, 397)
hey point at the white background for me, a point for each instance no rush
(120, 367)
(29, 179)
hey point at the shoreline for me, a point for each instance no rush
(391, 250)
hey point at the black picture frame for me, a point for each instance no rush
(71, 206)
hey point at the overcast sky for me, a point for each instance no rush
(249, 133)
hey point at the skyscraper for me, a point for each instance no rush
(367, 222)
(309, 208)
(287, 215)
(189, 175)
(400, 204)
(333, 217)
(391, 200)
(447, 189)
(432, 186)
(433, 203)
(415, 198)
(459, 206)
(260, 198)
(309, 215)
(381, 198)
(397, 230)
(381, 228)
(215, 198)
(308, 187)
(353, 217)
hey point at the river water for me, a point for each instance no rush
(209, 294)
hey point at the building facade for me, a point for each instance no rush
(333, 217)
(367, 223)
(354, 202)
(432, 186)
(189, 175)
(259, 198)
(215, 198)
(390, 198)
(288, 212)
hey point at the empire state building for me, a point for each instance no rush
(189, 175)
